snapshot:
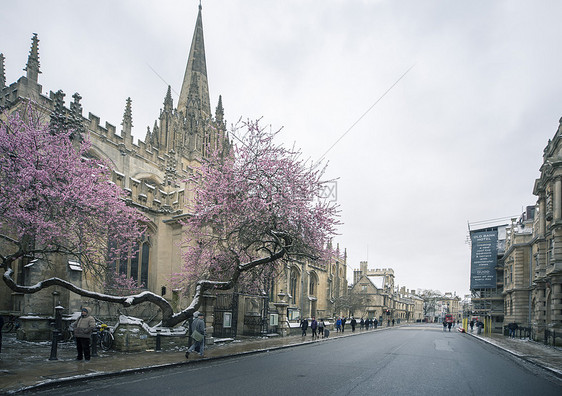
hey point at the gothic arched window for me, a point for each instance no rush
(130, 267)
(312, 284)
(145, 252)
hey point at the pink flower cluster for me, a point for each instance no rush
(259, 202)
(54, 197)
(122, 285)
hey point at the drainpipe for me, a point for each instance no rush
(530, 282)
(302, 294)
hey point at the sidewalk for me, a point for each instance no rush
(547, 357)
(26, 365)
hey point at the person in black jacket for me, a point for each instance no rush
(304, 327)
(512, 327)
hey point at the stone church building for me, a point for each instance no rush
(156, 173)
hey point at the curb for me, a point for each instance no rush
(552, 371)
(49, 384)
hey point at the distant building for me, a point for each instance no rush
(451, 305)
(380, 299)
(517, 264)
(486, 279)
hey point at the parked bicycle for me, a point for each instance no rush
(105, 337)
(12, 324)
(67, 333)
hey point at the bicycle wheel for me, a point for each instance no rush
(106, 340)
(66, 335)
(8, 326)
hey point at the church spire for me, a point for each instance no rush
(196, 71)
(168, 101)
(127, 118)
(219, 112)
(75, 118)
(32, 66)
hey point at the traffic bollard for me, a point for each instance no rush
(54, 345)
(95, 343)
(158, 340)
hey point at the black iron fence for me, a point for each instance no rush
(520, 332)
(550, 337)
(528, 332)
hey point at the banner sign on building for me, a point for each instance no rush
(484, 259)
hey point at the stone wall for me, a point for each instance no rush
(35, 328)
(133, 335)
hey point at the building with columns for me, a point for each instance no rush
(529, 270)
(517, 263)
(546, 303)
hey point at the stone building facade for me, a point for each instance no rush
(488, 302)
(451, 305)
(381, 299)
(517, 263)
(312, 287)
(546, 304)
(531, 265)
(154, 172)
(157, 174)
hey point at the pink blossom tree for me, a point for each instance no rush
(55, 200)
(254, 208)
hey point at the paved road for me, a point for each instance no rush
(417, 360)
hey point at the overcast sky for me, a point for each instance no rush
(458, 139)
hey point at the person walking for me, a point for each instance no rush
(198, 334)
(314, 327)
(375, 323)
(353, 324)
(338, 325)
(321, 326)
(343, 320)
(512, 327)
(304, 327)
(444, 326)
(449, 325)
(471, 325)
(361, 324)
(83, 328)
